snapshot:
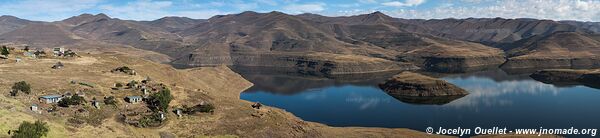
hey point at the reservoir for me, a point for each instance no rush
(496, 99)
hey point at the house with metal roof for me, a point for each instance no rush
(50, 98)
(133, 99)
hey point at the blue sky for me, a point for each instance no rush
(53, 10)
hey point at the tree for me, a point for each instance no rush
(160, 101)
(205, 108)
(73, 100)
(4, 51)
(21, 86)
(39, 53)
(13, 92)
(26, 48)
(110, 100)
(31, 130)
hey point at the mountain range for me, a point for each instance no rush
(314, 43)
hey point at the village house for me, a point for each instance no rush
(29, 54)
(96, 104)
(147, 80)
(80, 93)
(34, 107)
(133, 99)
(68, 95)
(178, 112)
(58, 51)
(162, 115)
(50, 98)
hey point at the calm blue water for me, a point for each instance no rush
(495, 99)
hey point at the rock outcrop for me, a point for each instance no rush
(417, 85)
(305, 63)
(459, 63)
(588, 78)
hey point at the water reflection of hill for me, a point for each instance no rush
(286, 82)
(282, 81)
(438, 100)
(497, 75)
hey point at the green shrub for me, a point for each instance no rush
(207, 108)
(73, 100)
(22, 86)
(38, 53)
(110, 100)
(4, 51)
(150, 120)
(118, 85)
(31, 130)
(132, 83)
(160, 101)
(86, 84)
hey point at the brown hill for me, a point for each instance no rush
(493, 30)
(174, 24)
(270, 39)
(111, 30)
(40, 34)
(10, 23)
(432, 52)
(257, 39)
(592, 26)
(561, 49)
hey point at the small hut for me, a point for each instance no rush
(34, 107)
(96, 104)
(58, 65)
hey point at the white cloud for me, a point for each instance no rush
(367, 1)
(242, 6)
(582, 10)
(305, 8)
(347, 5)
(404, 4)
(151, 10)
(46, 10)
(268, 2)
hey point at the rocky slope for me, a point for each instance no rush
(558, 50)
(321, 64)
